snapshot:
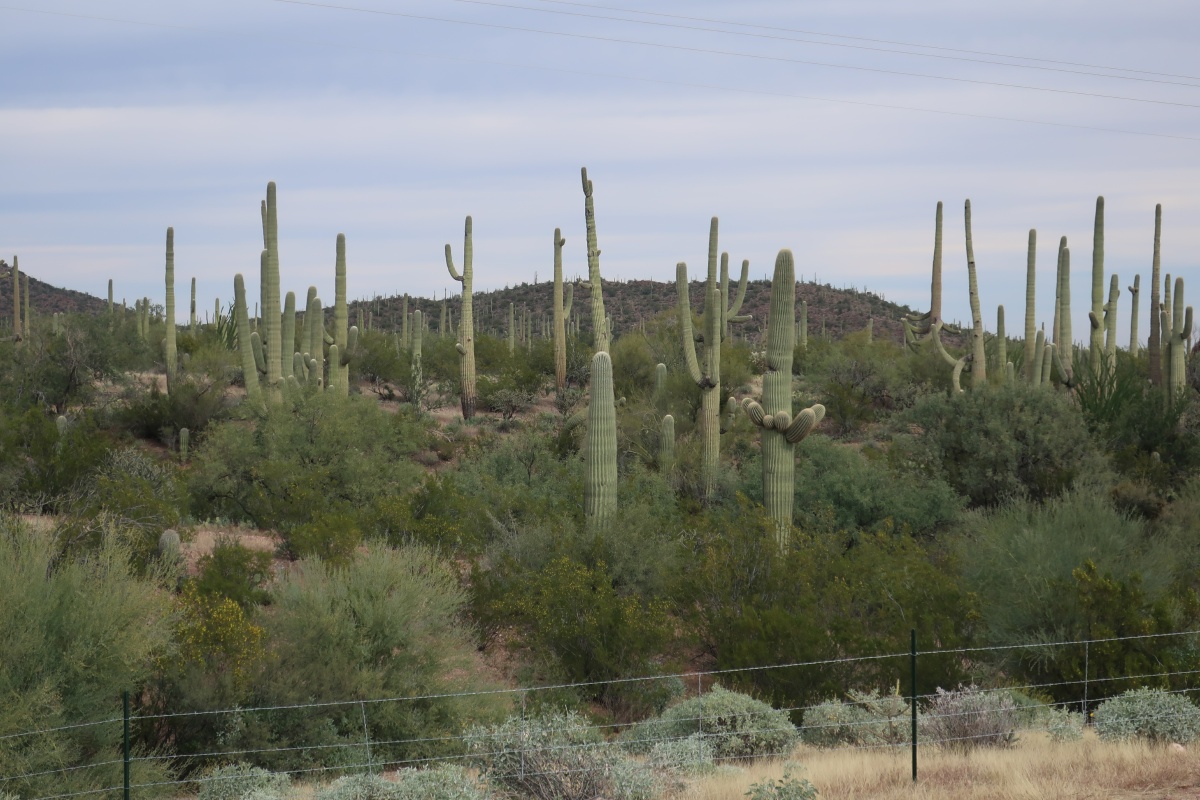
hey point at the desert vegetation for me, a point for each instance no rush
(563, 540)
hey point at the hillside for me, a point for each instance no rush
(44, 298)
(633, 302)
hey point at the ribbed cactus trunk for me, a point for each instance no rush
(339, 372)
(599, 319)
(418, 377)
(314, 324)
(245, 342)
(705, 370)
(466, 325)
(1096, 317)
(666, 445)
(562, 310)
(16, 300)
(803, 325)
(110, 295)
(193, 323)
(780, 433)
(1031, 306)
(1001, 341)
(1110, 322)
(978, 351)
(169, 341)
(25, 301)
(729, 313)
(1064, 348)
(1154, 343)
(405, 335)
(288, 336)
(600, 459)
(271, 315)
(1181, 330)
(512, 329)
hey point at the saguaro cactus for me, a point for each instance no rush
(1153, 344)
(599, 319)
(1001, 340)
(803, 329)
(314, 324)
(418, 378)
(1031, 305)
(1135, 291)
(666, 445)
(466, 325)
(562, 310)
(978, 352)
(110, 296)
(512, 329)
(928, 327)
(1096, 316)
(706, 370)
(193, 323)
(269, 290)
(1177, 345)
(780, 432)
(600, 479)
(344, 336)
(16, 298)
(245, 345)
(169, 341)
(288, 336)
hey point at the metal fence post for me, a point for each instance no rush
(1086, 653)
(367, 737)
(913, 665)
(125, 740)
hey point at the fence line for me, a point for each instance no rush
(900, 720)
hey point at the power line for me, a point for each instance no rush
(729, 53)
(617, 76)
(778, 38)
(867, 39)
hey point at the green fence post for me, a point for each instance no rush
(913, 665)
(125, 742)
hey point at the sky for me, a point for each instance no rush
(830, 128)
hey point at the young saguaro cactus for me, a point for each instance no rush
(780, 432)
(562, 310)
(344, 336)
(666, 445)
(705, 370)
(600, 329)
(245, 344)
(466, 324)
(978, 352)
(169, 341)
(418, 378)
(600, 478)
(1177, 345)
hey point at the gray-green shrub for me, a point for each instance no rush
(736, 725)
(866, 719)
(969, 717)
(238, 781)
(1151, 714)
(444, 782)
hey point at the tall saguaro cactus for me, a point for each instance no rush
(705, 370)
(1031, 305)
(269, 290)
(344, 336)
(562, 310)
(193, 323)
(1096, 317)
(978, 352)
(928, 327)
(1154, 343)
(1135, 291)
(16, 298)
(780, 432)
(466, 324)
(600, 479)
(169, 342)
(599, 320)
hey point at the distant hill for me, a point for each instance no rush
(633, 302)
(44, 298)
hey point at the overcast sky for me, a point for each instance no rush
(119, 118)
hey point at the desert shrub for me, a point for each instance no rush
(41, 469)
(236, 572)
(332, 535)
(310, 454)
(1000, 443)
(556, 756)
(866, 719)
(1061, 724)
(386, 625)
(736, 725)
(192, 403)
(691, 755)
(789, 787)
(1076, 569)
(77, 631)
(439, 783)
(969, 717)
(1152, 714)
(237, 781)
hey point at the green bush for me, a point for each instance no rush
(1000, 443)
(438, 783)
(736, 726)
(866, 719)
(238, 781)
(234, 571)
(77, 632)
(1152, 714)
(789, 787)
(691, 755)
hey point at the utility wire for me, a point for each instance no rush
(728, 53)
(866, 39)
(617, 76)
(779, 38)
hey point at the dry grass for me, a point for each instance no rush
(1034, 769)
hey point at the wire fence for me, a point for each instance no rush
(678, 742)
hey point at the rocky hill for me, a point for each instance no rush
(43, 298)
